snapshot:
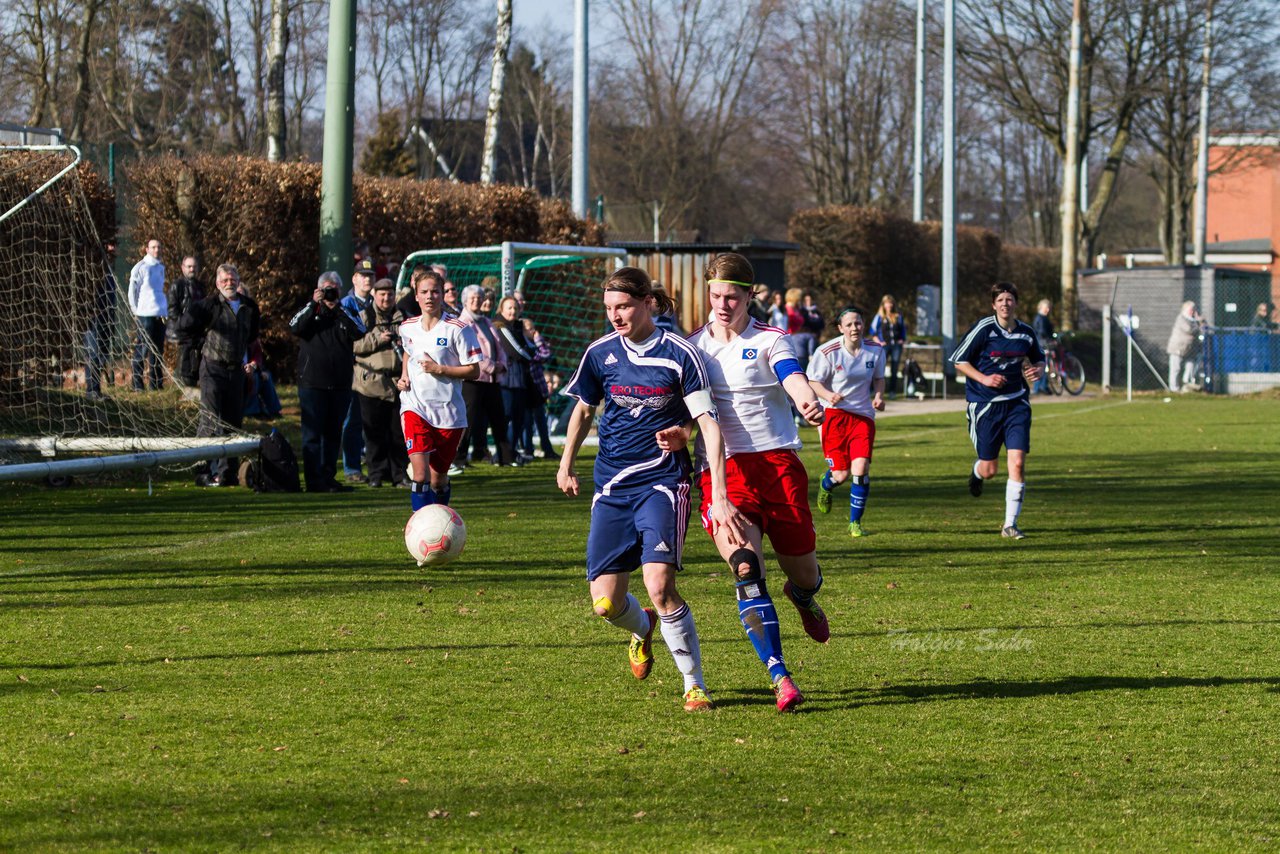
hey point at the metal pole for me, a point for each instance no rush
(1202, 156)
(1106, 349)
(339, 122)
(917, 165)
(948, 190)
(581, 58)
(1071, 178)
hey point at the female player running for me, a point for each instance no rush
(847, 374)
(755, 380)
(652, 384)
(439, 354)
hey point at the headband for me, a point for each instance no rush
(730, 282)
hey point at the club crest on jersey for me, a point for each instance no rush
(871, 363)
(442, 342)
(750, 353)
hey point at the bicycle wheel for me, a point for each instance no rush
(1053, 380)
(1072, 377)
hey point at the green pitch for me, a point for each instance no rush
(209, 669)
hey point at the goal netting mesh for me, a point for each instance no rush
(66, 317)
(560, 286)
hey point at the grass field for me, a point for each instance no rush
(210, 669)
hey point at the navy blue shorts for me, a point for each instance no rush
(1002, 422)
(637, 527)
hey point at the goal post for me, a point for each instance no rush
(67, 403)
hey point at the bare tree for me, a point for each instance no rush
(277, 130)
(501, 50)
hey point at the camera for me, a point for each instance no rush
(329, 292)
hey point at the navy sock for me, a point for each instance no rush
(443, 495)
(803, 597)
(859, 489)
(827, 483)
(420, 495)
(760, 619)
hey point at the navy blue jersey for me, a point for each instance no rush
(992, 349)
(644, 387)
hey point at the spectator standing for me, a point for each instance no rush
(1262, 320)
(889, 330)
(538, 393)
(150, 308)
(227, 323)
(483, 395)
(378, 366)
(452, 305)
(355, 304)
(517, 382)
(325, 336)
(97, 336)
(1186, 326)
(778, 310)
(1042, 323)
(187, 290)
(758, 308)
(803, 339)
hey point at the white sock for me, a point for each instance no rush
(682, 640)
(977, 463)
(1013, 492)
(631, 616)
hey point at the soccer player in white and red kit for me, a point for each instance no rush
(439, 353)
(847, 374)
(755, 380)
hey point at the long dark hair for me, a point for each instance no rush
(636, 283)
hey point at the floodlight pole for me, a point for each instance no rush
(948, 190)
(339, 124)
(581, 203)
(1202, 156)
(917, 164)
(1071, 178)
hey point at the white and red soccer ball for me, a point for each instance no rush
(435, 535)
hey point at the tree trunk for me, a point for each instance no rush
(501, 49)
(276, 129)
(80, 104)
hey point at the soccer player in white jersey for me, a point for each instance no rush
(847, 374)
(439, 353)
(998, 356)
(755, 381)
(653, 385)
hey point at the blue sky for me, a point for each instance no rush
(531, 14)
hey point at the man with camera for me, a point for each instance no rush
(325, 335)
(377, 366)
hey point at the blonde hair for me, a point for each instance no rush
(794, 295)
(730, 267)
(884, 307)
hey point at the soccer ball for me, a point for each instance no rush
(435, 535)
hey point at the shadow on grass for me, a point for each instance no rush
(983, 689)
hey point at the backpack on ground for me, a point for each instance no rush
(277, 468)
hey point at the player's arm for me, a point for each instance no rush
(988, 380)
(575, 435)
(797, 387)
(877, 396)
(723, 512)
(452, 372)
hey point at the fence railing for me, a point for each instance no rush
(1239, 360)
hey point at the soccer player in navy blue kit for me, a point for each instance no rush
(998, 356)
(653, 384)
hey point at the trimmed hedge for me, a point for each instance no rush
(265, 219)
(854, 256)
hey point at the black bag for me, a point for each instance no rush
(914, 377)
(277, 467)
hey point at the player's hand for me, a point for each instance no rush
(725, 515)
(567, 481)
(877, 403)
(811, 411)
(993, 380)
(1032, 372)
(672, 439)
(430, 365)
(835, 398)
(402, 383)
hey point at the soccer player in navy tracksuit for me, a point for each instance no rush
(998, 356)
(653, 385)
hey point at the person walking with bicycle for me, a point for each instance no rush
(997, 357)
(1042, 323)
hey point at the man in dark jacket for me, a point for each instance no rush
(186, 291)
(325, 336)
(226, 322)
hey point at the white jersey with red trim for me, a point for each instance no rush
(848, 374)
(754, 410)
(437, 399)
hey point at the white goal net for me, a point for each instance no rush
(68, 337)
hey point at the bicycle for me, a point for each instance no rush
(1063, 370)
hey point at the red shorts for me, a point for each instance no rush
(846, 437)
(771, 488)
(421, 438)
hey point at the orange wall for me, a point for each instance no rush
(1244, 200)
